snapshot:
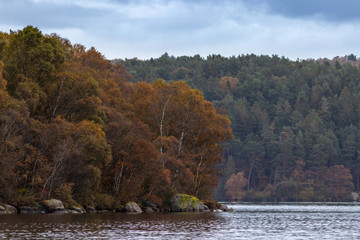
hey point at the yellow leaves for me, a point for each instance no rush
(4, 96)
(159, 83)
(83, 128)
(91, 128)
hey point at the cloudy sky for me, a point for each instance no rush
(148, 28)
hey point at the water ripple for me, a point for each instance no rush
(248, 222)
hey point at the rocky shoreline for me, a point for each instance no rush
(178, 203)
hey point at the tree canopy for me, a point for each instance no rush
(280, 111)
(73, 127)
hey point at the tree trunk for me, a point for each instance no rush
(251, 168)
(58, 97)
(162, 121)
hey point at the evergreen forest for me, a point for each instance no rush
(93, 132)
(295, 124)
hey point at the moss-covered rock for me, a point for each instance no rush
(54, 205)
(186, 203)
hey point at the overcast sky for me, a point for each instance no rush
(148, 28)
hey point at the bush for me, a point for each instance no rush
(64, 193)
(307, 194)
(24, 197)
(104, 201)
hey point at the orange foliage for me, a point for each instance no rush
(72, 127)
(229, 82)
(235, 186)
(339, 182)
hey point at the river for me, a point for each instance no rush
(249, 221)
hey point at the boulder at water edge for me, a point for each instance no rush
(225, 208)
(355, 196)
(2, 209)
(33, 209)
(132, 207)
(54, 205)
(76, 209)
(187, 203)
(149, 207)
(7, 209)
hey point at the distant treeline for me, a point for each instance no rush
(72, 127)
(295, 123)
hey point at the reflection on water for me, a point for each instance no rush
(248, 222)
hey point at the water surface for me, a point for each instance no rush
(249, 221)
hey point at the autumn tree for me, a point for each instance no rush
(235, 185)
(229, 82)
(188, 131)
(339, 182)
(31, 61)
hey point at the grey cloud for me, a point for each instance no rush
(331, 10)
(45, 14)
(148, 28)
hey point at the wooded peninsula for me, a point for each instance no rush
(92, 132)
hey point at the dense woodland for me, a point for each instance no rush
(295, 123)
(73, 126)
(89, 131)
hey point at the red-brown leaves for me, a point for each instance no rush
(235, 186)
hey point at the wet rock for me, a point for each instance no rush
(10, 209)
(132, 207)
(60, 211)
(103, 211)
(150, 207)
(72, 211)
(230, 210)
(225, 208)
(2, 209)
(33, 209)
(40, 209)
(76, 209)
(90, 209)
(54, 205)
(186, 203)
(149, 204)
(26, 209)
(147, 210)
(206, 209)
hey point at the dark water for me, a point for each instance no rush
(248, 222)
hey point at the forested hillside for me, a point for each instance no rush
(73, 128)
(295, 123)
(88, 131)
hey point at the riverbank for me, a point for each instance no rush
(178, 203)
